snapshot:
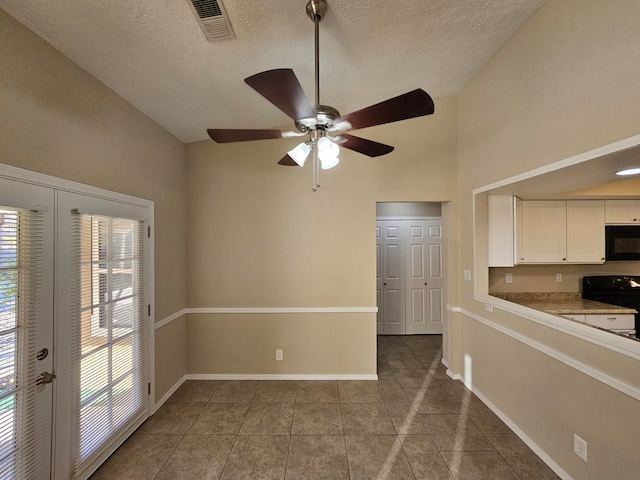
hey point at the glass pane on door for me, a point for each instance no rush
(19, 280)
(108, 331)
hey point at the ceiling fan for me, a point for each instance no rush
(324, 125)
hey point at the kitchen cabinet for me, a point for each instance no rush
(612, 322)
(585, 231)
(501, 233)
(622, 211)
(562, 231)
(545, 232)
(622, 322)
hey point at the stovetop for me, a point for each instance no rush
(611, 285)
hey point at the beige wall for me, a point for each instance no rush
(565, 83)
(58, 120)
(171, 357)
(542, 278)
(258, 237)
(313, 344)
(412, 209)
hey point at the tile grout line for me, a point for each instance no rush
(405, 353)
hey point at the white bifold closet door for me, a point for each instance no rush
(410, 276)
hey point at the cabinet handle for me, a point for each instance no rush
(564, 259)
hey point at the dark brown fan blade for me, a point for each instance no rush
(282, 88)
(287, 161)
(416, 103)
(364, 146)
(227, 135)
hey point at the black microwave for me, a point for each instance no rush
(622, 242)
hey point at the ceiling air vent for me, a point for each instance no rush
(212, 19)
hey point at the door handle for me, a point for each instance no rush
(385, 284)
(45, 377)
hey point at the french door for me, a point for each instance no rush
(26, 329)
(100, 274)
(75, 326)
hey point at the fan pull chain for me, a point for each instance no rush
(316, 168)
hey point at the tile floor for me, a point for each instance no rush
(413, 423)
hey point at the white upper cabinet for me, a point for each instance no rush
(622, 211)
(585, 231)
(547, 232)
(501, 215)
(544, 232)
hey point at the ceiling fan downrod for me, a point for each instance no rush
(316, 9)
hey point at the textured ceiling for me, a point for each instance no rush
(154, 54)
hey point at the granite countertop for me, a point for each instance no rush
(561, 303)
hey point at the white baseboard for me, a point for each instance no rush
(518, 431)
(171, 391)
(278, 376)
(455, 376)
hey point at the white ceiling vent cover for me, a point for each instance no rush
(212, 19)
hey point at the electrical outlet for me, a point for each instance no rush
(279, 354)
(580, 447)
(558, 277)
(467, 275)
(508, 278)
(488, 307)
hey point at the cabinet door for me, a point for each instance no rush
(544, 232)
(585, 231)
(622, 211)
(501, 230)
(611, 322)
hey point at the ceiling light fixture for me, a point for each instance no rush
(300, 153)
(629, 171)
(328, 153)
(323, 125)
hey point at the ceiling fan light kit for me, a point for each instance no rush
(324, 126)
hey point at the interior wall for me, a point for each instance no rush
(258, 238)
(564, 84)
(409, 209)
(60, 121)
(542, 278)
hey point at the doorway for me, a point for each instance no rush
(410, 269)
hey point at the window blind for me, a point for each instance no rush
(107, 332)
(21, 239)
